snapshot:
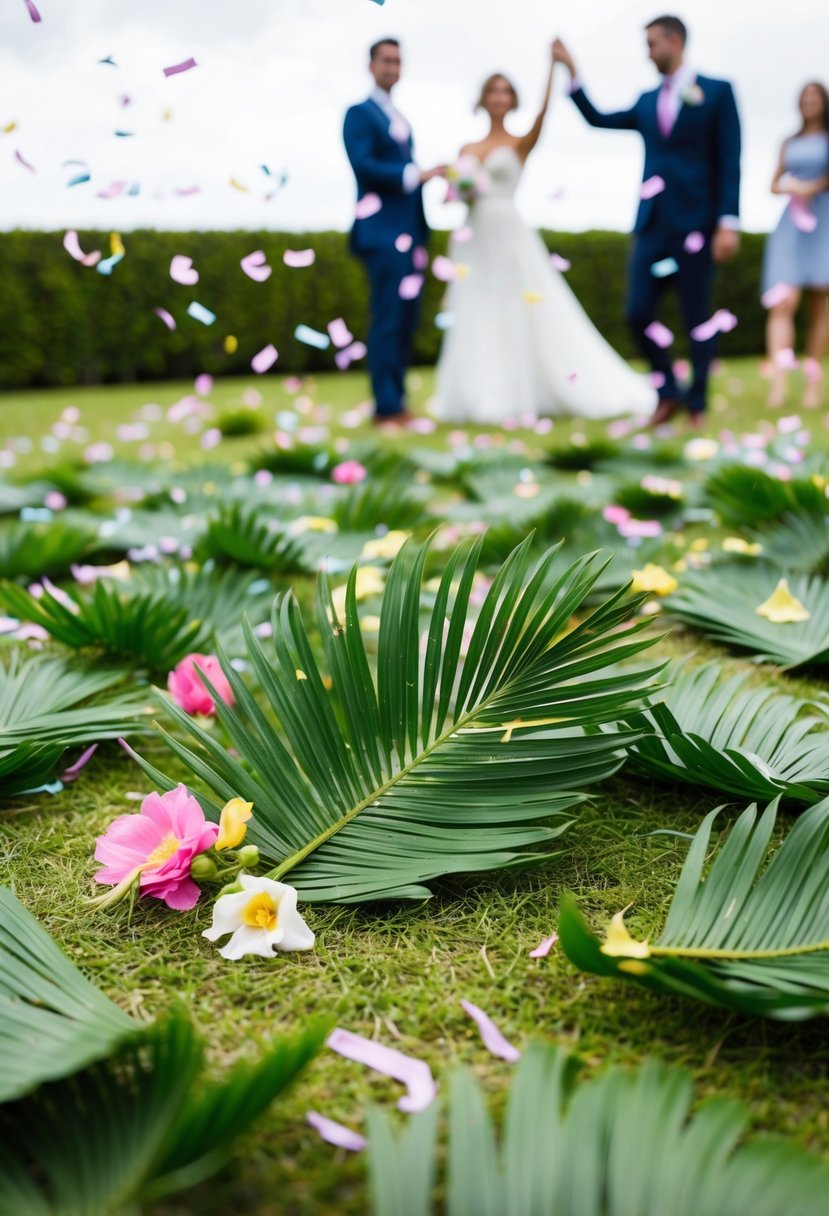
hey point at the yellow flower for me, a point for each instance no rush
(232, 829)
(369, 582)
(699, 545)
(384, 546)
(781, 608)
(654, 579)
(311, 523)
(619, 943)
(736, 544)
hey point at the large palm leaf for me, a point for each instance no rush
(367, 790)
(744, 496)
(752, 935)
(253, 538)
(29, 550)
(620, 1144)
(722, 603)
(99, 1113)
(797, 542)
(753, 742)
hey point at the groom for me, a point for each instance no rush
(389, 229)
(689, 211)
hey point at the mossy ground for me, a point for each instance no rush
(399, 972)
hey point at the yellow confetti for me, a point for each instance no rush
(532, 297)
(300, 675)
(9, 127)
(736, 544)
(116, 245)
(237, 185)
(782, 608)
(654, 579)
(231, 344)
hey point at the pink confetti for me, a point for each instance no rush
(73, 247)
(255, 266)
(694, 242)
(184, 190)
(657, 379)
(812, 370)
(803, 217)
(462, 235)
(184, 66)
(420, 258)
(722, 322)
(203, 384)
(336, 1133)
(55, 501)
(74, 769)
(404, 242)
(559, 262)
(775, 295)
(660, 334)
(367, 206)
(410, 286)
(614, 514)
(344, 358)
(166, 317)
(298, 259)
(653, 186)
(786, 359)
(18, 156)
(443, 269)
(544, 948)
(264, 359)
(572, 377)
(33, 13)
(112, 190)
(339, 332)
(492, 1038)
(183, 271)
(349, 473)
(414, 1074)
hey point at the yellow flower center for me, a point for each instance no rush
(163, 852)
(261, 912)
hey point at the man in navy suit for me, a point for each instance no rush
(688, 216)
(390, 231)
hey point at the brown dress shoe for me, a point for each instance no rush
(667, 409)
(401, 418)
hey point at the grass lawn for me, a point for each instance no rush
(396, 972)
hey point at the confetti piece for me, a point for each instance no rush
(664, 268)
(107, 265)
(367, 206)
(660, 334)
(776, 295)
(722, 322)
(653, 186)
(492, 1038)
(404, 242)
(9, 127)
(176, 68)
(544, 948)
(312, 337)
(410, 286)
(336, 1133)
(420, 258)
(18, 156)
(443, 268)
(203, 384)
(255, 266)
(231, 344)
(694, 242)
(183, 271)
(33, 13)
(237, 185)
(298, 259)
(264, 359)
(344, 358)
(558, 261)
(166, 317)
(78, 179)
(414, 1074)
(462, 235)
(183, 191)
(134, 189)
(116, 245)
(73, 247)
(444, 320)
(199, 313)
(74, 769)
(339, 332)
(786, 359)
(124, 134)
(112, 190)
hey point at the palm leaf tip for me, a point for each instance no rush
(467, 745)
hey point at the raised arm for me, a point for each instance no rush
(369, 169)
(527, 142)
(617, 120)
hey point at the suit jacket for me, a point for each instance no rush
(378, 161)
(699, 161)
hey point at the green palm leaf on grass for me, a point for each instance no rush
(753, 742)
(99, 1113)
(797, 542)
(723, 603)
(744, 497)
(251, 537)
(367, 789)
(30, 550)
(752, 935)
(624, 1143)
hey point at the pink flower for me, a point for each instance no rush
(188, 690)
(348, 473)
(158, 844)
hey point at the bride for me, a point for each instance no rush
(519, 342)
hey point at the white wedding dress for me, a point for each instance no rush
(519, 343)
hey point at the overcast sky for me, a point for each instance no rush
(274, 77)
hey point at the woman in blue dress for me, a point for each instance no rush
(797, 253)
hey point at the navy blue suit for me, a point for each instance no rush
(378, 161)
(699, 162)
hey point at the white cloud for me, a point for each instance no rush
(275, 76)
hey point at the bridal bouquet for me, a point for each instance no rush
(468, 180)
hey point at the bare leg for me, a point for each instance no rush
(780, 338)
(817, 344)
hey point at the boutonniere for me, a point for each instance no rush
(693, 95)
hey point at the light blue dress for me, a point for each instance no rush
(794, 257)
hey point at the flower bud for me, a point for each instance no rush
(248, 856)
(202, 868)
(231, 888)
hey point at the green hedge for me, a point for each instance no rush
(63, 324)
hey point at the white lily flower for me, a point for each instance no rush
(262, 918)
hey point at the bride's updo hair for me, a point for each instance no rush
(497, 78)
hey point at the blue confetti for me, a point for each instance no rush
(661, 270)
(199, 313)
(107, 265)
(78, 179)
(312, 337)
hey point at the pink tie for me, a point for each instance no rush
(664, 108)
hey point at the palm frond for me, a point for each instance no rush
(752, 742)
(30, 550)
(624, 1143)
(797, 542)
(386, 501)
(744, 497)
(367, 790)
(722, 603)
(251, 538)
(220, 598)
(752, 935)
